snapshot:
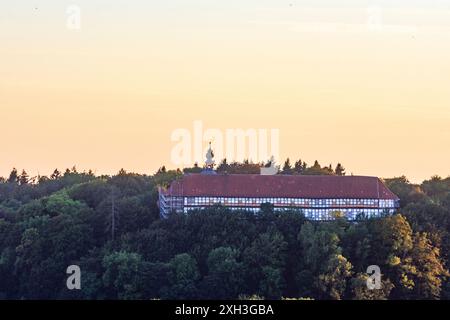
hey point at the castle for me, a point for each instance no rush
(318, 197)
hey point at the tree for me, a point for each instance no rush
(406, 191)
(162, 169)
(225, 274)
(13, 176)
(121, 275)
(305, 283)
(436, 186)
(23, 179)
(298, 167)
(133, 214)
(391, 245)
(316, 169)
(194, 169)
(429, 268)
(42, 179)
(340, 170)
(270, 163)
(330, 169)
(360, 291)
(246, 167)
(93, 193)
(183, 276)
(272, 284)
(28, 262)
(154, 278)
(332, 282)
(316, 165)
(60, 203)
(223, 166)
(356, 245)
(318, 246)
(55, 175)
(434, 219)
(323, 260)
(213, 252)
(287, 168)
(268, 249)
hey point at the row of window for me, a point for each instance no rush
(324, 214)
(286, 202)
(386, 203)
(351, 214)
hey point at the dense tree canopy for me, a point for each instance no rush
(110, 227)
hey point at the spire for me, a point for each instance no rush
(209, 163)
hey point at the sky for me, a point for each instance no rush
(364, 83)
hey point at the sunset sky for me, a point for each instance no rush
(365, 83)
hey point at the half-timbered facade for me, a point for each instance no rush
(318, 197)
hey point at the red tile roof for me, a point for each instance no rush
(287, 186)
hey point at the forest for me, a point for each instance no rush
(110, 227)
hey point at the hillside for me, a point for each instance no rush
(110, 227)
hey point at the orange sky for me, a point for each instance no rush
(109, 95)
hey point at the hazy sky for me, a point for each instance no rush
(366, 83)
